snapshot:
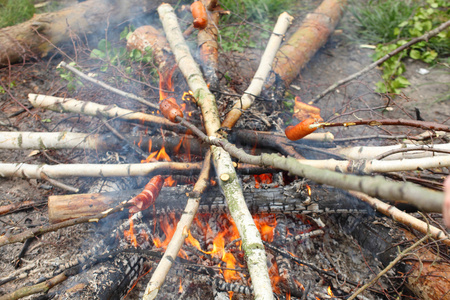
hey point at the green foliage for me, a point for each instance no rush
(11, 85)
(15, 11)
(72, 81)
(376, 18)
(121, 58)
(261, 14)
(383, 21)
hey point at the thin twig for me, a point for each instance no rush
(108, 87)
(424, 37)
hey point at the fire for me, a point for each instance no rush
(169, 181)
(330, 292)
(263, 179)
(168, 229)
(180, 288)
(266, 224)
(129, 234)
(165, 83)
(308, 188)
(162, 155)
(188, 96)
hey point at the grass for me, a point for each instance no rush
(250, 22)
(15, 11)
(376, 19)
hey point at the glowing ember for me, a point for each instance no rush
(180, 288)
(263, 179)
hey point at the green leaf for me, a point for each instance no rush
(414, 54)
(402, 81)
(96, 53)
(104, 68)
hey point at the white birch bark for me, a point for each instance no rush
(93, 109)
(228, 180)
(256, 85)
(181, 232)
(379, 166)
(92, 170)
(368, 152)
(47, 140)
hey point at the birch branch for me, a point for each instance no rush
(181, 231)
(379, 166)
(106, 86)
(376, 186)
(93, 170)
(228, 181)
(367, 152)
(93, 109)
(404, 218)
(255, 88)
(424, 37)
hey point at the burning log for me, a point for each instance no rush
(307, 40)
(252, 243)
(38, 36)
(284, 20)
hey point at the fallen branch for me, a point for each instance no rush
(228, 181)
(38, 288)
(18, 238)
(255, 87)
(93, 109)
(404, 218)
(307, 40)
(106, 86)
(94, 170)
(181, 231)
(424, 37)
(38, 36)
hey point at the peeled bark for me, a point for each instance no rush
(307, 40)
(38, 36)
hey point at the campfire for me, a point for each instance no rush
(197, 189)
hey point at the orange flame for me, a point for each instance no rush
(165, 83)
(266, 224)
(263, 179)
(330, 292)
(129, 234)
(308, 188)
(180, 288)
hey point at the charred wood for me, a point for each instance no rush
(286, 200)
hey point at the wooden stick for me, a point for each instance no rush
(255, 88)
(181, 232)
(93, 109)
(94, 170)
(404, 218)
(396, 122)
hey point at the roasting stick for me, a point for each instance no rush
(182, 230)
(106, 86)
(228, 180)
(255, 88)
